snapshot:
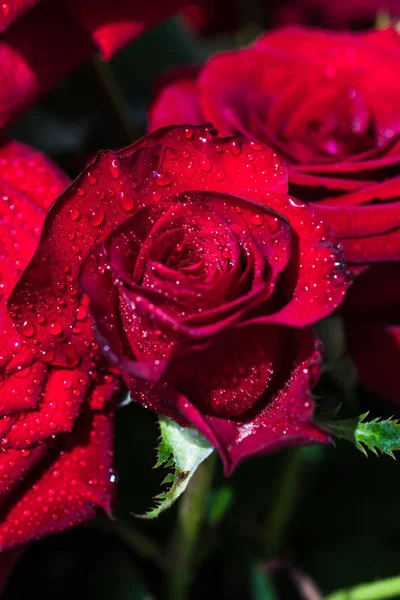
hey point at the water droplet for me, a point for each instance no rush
(92, 180)
(55, 328)
(257, 219)
(81, 192)
(96, 217)
(74, 214)
(188, 133)
(205, 164)
(114, 169)
(125, 201)
(100, 194)
(273, 225)
(236, 150)
(81, 313)
(27, 329)
(164, 179)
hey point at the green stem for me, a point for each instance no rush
(377, 590)
(115, 98)
(279, 518)
(191, 514)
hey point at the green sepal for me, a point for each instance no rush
(181, 449)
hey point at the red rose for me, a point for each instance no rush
(202, 277)
(54, 467)
(212, 17)
(42, 40)
(329, 103)
(337, 15)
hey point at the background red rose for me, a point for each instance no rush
(329, 104)
(42, 41)
(220, 16)
(210, 348)
(55, 429)
(353, 14)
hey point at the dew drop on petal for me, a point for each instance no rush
(55, 328)
(27, 329)
(164, 179)
(96, 217)
(115, 170)
(74, 214)
(125, 201)
(81, 313)
(256, 219)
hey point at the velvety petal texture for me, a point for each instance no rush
(329, 104)
(55, 423)
(42, 40)
(184, 258)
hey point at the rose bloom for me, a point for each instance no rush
(202, 278)
(329, 104)
(221, 16)
(337, 15)
(43, 40)
(211, 17)
(55, 422)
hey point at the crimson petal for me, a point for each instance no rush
(171, 160)
(284, 421)
(67, 491)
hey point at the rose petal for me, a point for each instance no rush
(145, 311)
(11, 10)
(386, 190)
(380, 248)
(16, 465)
(232, 373)
(62, 398)
(103, 196)
(317, 278)
(32, 56)
(22, 389)
(68, 490)
(285, 421)
(176, 101)
(31, 173)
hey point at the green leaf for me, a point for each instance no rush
(377, 435)
(376, 590)
(181, 449)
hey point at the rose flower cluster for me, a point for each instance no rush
(191, 266)
(329, 105)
